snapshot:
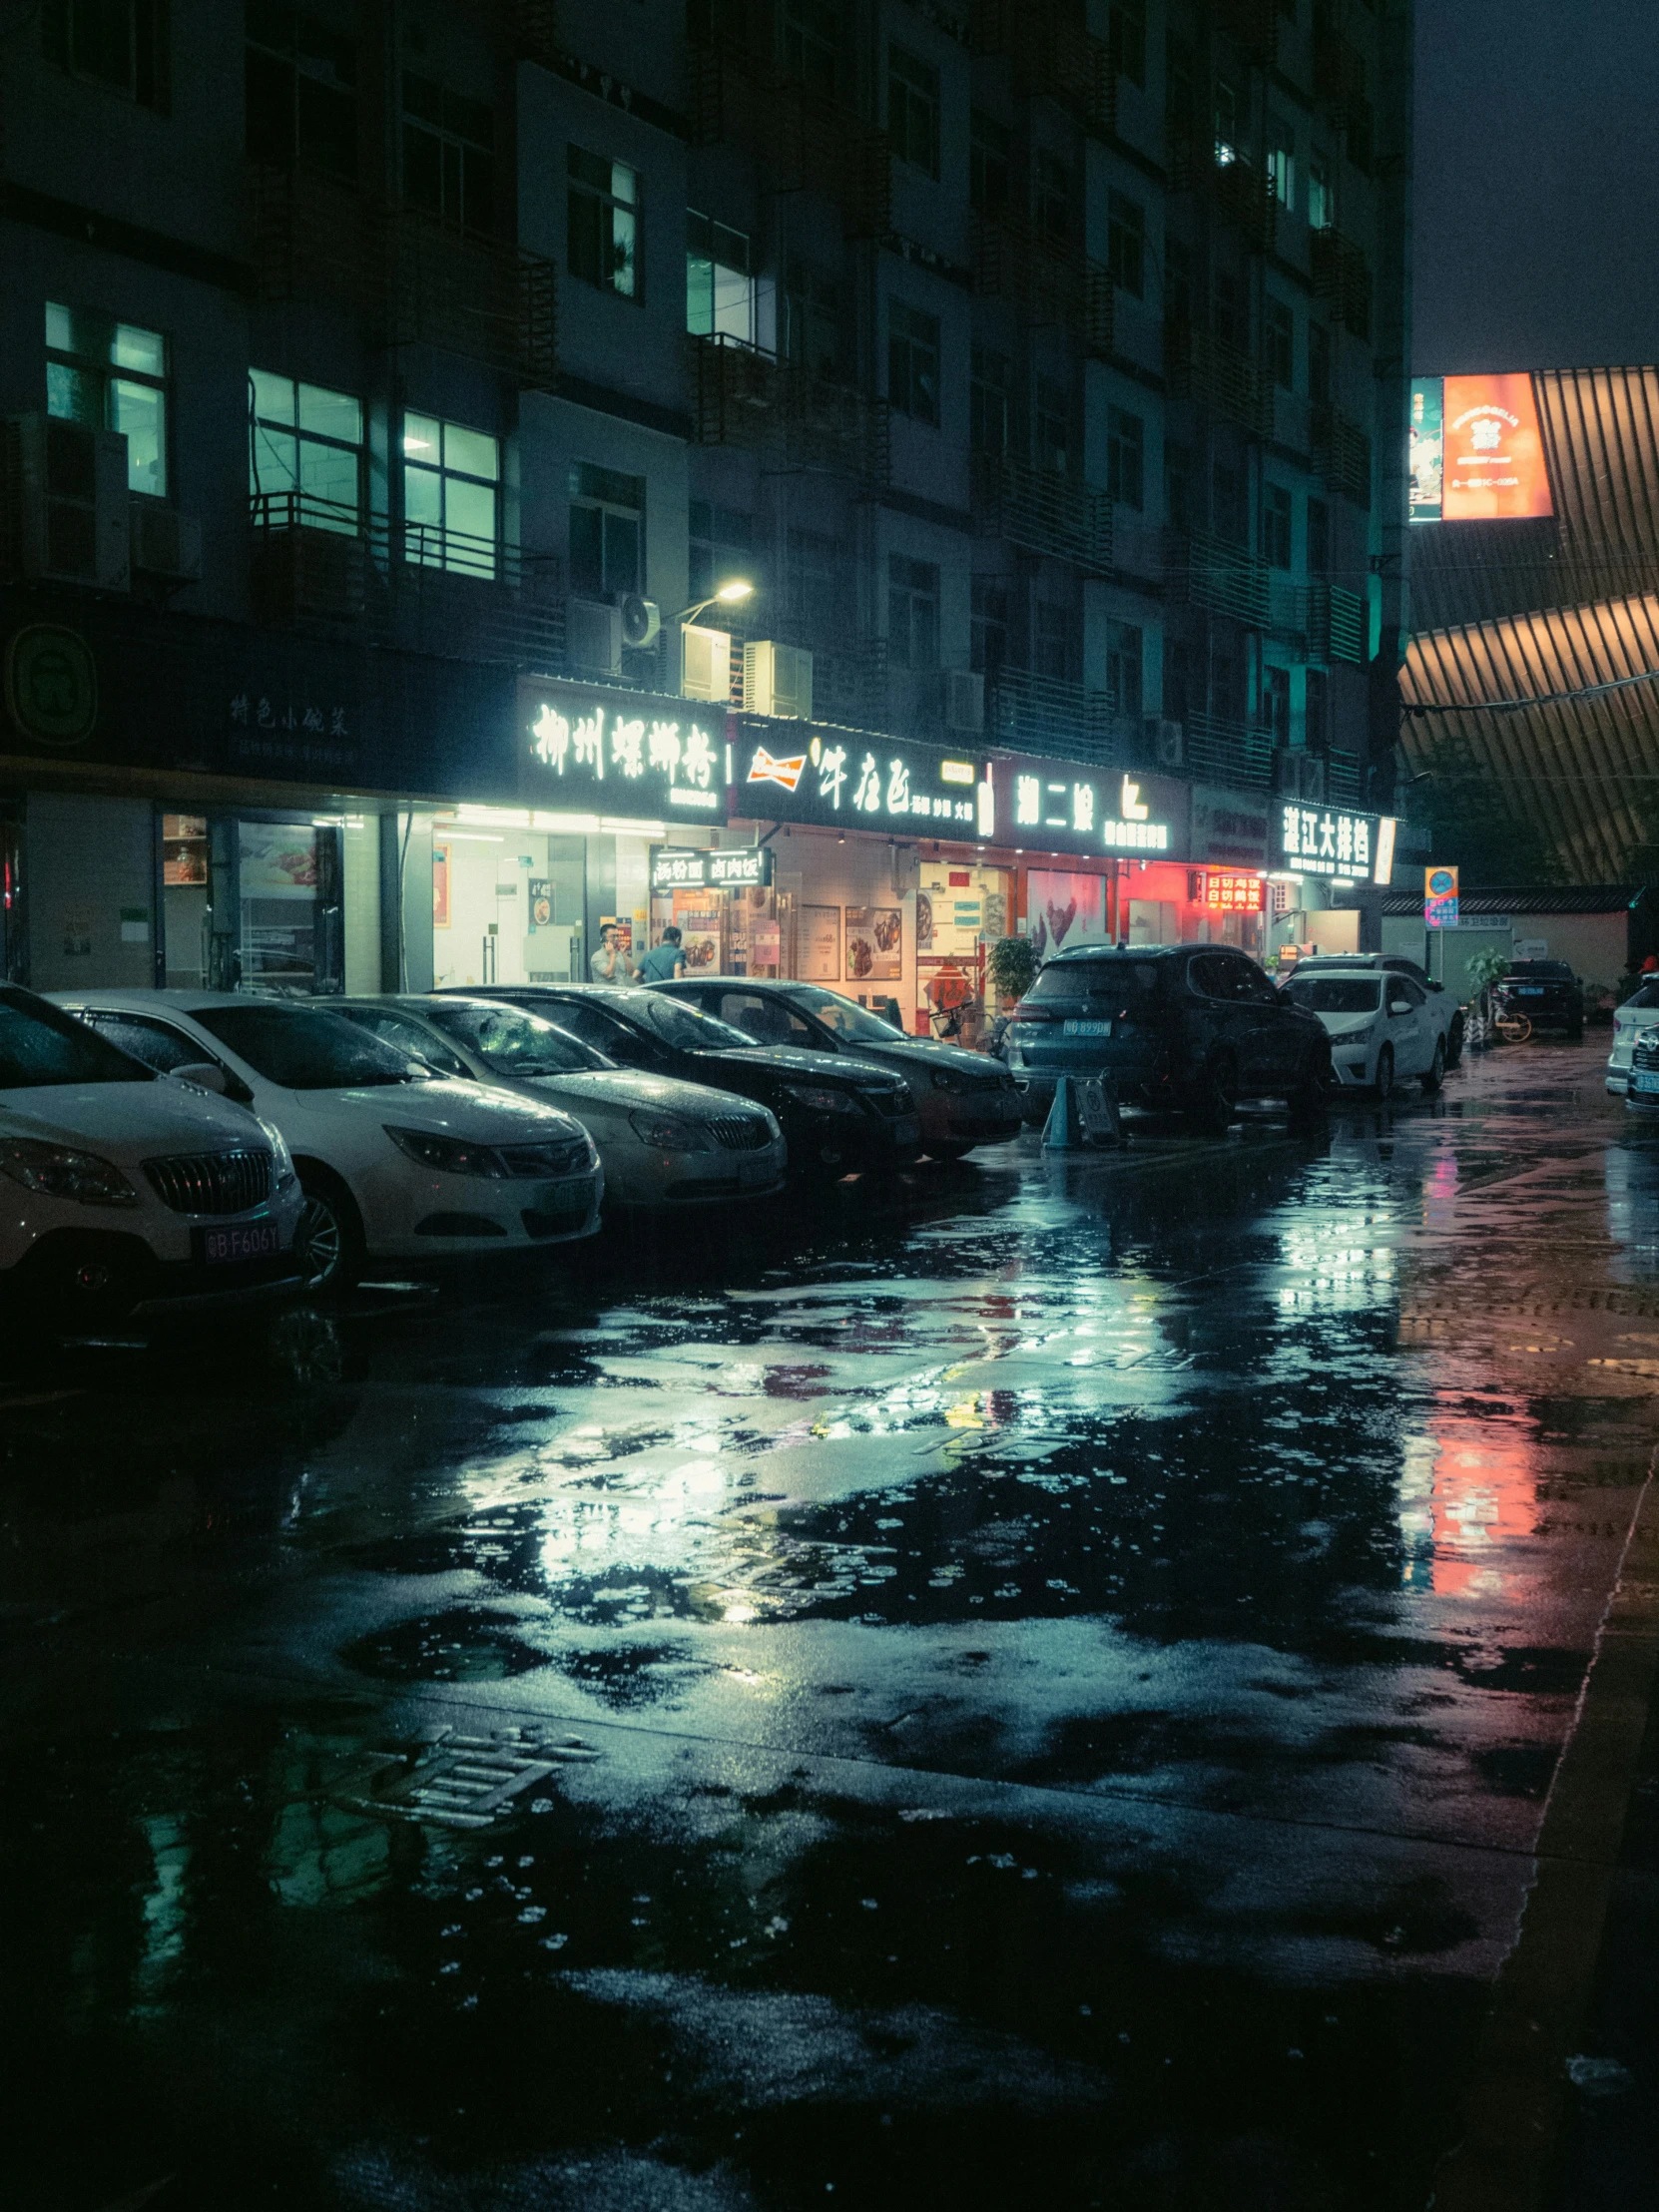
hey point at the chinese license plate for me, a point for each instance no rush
(238, 1242)
(1528, 990)
(752, 1173)
(1645, 1079)
(1086, 1029)
(567, 1200)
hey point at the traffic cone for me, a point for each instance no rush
(1061, 1131)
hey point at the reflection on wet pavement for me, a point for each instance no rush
(1040, 1689)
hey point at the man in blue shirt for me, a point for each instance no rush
(665, 962)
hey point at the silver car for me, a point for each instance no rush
(663, 1143)
(965, 1099)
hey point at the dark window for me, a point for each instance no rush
(607, 531)
(812, 321)
(1230, 503)
(1180, 85)
(1051, 423)
(302, 89)
(1319, 365)
(1178, 282)
(1315, 716)
(1124, 655)
(303, 1051)
(1360, 131)
(448, 154)
(1227, 676)
(1052, 649)
(1276, 526)
(1230, 310)
(991, 402)
(1319, 538)
(988, 634)
(1126, 457)
(119, 43)
(1279, 330)
(1276, 704)
(913, 613)
(718, 23)
(603, 243)
(722, 545)
(815, 582)
(1126, 243)
(1176, 696)
(1053, 198)
(913, 362)
(990, 152)
(913, 110)
(112, 376)
(1333, 994)
(1123, 983)
(1177, 484)
(1128, 39)
(811, 34)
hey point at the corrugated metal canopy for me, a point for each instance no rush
(1590, 899)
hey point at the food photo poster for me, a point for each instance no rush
(874, 943)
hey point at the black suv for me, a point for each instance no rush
(838, 1115)
(1195, 1027)
(1546, 992)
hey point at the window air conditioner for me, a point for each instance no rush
(778, 680)
(964, 700)
(706, 663)
(593, 637)
(166, 543)
(72, 502)
(641, 619)
(1165, 740)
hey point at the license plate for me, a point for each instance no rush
(754, 1172)
(1086, 1029)
(1528, 990)
(238, 1242)
(1645, 1079)
(565, 1201)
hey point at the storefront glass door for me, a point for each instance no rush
(252, 904)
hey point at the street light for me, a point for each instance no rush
(728, 595)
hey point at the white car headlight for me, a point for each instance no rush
(446, 1155)
(669, 1132)
(61, 1172)
(281, 1159)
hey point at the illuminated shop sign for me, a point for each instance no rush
(1232, 892)
(850, 780)
(747, 868)
(1061, 809)
(1477, 450)
(1330, 841)
(619, 753)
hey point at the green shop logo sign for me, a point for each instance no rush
(51, 685)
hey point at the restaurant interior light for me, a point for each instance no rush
(503, 818)
(568, 826)
(619, 825)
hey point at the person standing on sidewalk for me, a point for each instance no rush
(665, 962)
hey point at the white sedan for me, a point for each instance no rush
(394, 1161)
(1381, 1027)
(1638, 1017)
(662, 1142)
(120, 1192)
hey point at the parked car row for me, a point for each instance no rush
(200, 1145)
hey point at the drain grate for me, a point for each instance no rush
(461, 1781)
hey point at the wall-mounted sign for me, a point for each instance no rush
(1428, 450)
(1494, 451)
(617, 753)
(1230, 829)
(747, 868)
(1232, 891)
(1332, 841)
(1439, 897)
(51, 683)
(1057, 807)
(848, 779)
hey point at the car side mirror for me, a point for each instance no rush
(206, 1075)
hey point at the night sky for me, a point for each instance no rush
(1537, 208)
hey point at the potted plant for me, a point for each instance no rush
(1484, 970)
(1011, 965)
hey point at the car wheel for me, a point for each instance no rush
(1454, 1041)
(949, 1152)
(1385, 1083)
(328, 1242)
(1434, 1074)
(1216, 1105)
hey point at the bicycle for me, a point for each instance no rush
(1512, 1028)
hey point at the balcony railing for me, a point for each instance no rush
(404, 277)
(1049, 281)
(1220, 750)
(1218, 376)
(1342, 778)
(795, 420)
(1341, 453)
(808, 144)
(1339, 625)
(1210, 570)
(1252, 25)
(1029, 713)
(1052, 56)
(1043, 511)
(320, 566)
(1341, 276)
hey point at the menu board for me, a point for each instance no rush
(874, 943)
(819, 939)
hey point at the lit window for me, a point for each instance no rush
(1282, 161)
(720, 284)
(603, 246)
(451, 477)
(1321, 205)
(304, 453)
(110, 376)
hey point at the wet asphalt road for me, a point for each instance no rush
(1042, 1688)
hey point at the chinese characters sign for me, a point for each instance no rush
(1061, 809)
(1331, 840)
(1490, 450)
(622, 755)
(1232, 892)
(1439, 897)
(745, 868)
(852, 780)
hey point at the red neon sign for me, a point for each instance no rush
(1230, 892)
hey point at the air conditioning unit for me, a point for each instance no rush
(72, 502)
(593, 637)
(778, 680)
(1166, 741)
(1302, 774)
(964, 701)
(166, 543)
(706, 663)
(641, 619)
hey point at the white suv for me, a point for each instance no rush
(122, 1192)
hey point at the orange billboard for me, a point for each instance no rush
(1494, 455)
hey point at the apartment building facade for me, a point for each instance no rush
(391, 388)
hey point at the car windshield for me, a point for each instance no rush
(682, 1026)
(41, 1044)
(1334, 994)
(306, 1051)
(845, 1018)
(1123, 981)
(511, 1042)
